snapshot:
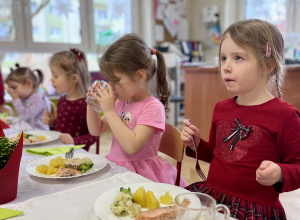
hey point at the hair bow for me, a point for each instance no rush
(77, 53)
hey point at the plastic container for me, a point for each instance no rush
(90, 100)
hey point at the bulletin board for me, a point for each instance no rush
(170, 20)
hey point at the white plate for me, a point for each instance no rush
(50, 136)
(99, 163)
(8, 119)
(102, 203)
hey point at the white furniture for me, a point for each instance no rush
(173, 63)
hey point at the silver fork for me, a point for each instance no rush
(198, 169)
(69, 155)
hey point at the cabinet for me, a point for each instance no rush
(176, 103)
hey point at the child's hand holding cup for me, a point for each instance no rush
(90, 100)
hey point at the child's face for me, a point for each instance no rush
(126, 89)
(19, 90)
(240, 70)
(59, 80)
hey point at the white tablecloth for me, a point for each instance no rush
(74, 198)
(75, 203)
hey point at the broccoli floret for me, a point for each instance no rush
(85, 167)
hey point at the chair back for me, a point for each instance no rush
(53, 109)
(172, 145)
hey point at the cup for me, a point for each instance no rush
(90, 100)
(199, 206)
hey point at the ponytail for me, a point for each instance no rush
(163, 89)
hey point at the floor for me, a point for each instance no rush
(188, 165)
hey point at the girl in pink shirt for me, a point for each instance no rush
(136, 118)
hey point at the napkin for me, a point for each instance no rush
(9, 213)
(53, 150)
(4, 125)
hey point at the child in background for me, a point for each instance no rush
(70, 76)
(253, 147)
(136, 118)
(29, 103)
(4, 108)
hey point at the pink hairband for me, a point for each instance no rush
(77, 53)
(268, 50)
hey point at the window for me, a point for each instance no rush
(7, 26)
(58, 21)
(274, 11)
(32, 30)
(53, 24)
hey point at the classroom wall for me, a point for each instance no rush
(229, 12)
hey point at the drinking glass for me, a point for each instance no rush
(199, 206)
(90, 100)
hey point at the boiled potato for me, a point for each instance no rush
(57, 162)
(42, 169)
(50, 170)
(42, 137)
(139, 196)
(166, 199)
(150, 201)
(55, 170)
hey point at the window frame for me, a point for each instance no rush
(24, 41)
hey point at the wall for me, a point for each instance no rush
(229, 12)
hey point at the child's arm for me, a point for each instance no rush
(269, 173)
(86, 139)
(188, 132)
(97, 125)
(204, 149)
(131, 140)
(284, 174)
(49, 119)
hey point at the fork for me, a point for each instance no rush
(198, 169)
(69, 155)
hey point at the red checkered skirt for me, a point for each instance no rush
(239, 208)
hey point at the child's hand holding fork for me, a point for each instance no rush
(188, 132)
(48, 118)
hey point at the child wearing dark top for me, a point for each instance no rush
(70, 76)
(253, 146)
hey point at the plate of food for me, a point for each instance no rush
(107, 205)
(35, 137)
(6, 118)
(57, 167)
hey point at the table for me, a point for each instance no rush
(74, 198)
(41, 198)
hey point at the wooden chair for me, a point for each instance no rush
(172, 145)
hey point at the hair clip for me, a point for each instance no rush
(153, 51)
(268, 50)
(77, 53)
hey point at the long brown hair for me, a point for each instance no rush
(130, 54)
(73, 61)
(254, 34)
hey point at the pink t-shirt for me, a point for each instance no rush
(145, 162)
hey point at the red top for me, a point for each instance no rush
(71, 118)
(2, 92)
(274, 136)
